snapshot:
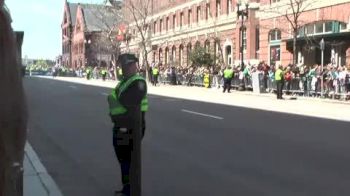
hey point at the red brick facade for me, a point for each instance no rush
(82, 38)
(194, 24)
(199, 21)
(337, 40)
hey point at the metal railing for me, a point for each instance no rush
(296, 86)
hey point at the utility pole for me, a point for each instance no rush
(242, 13)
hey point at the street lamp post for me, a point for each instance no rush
(242, 13)
(86, 42)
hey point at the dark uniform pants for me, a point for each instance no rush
(122, 148)
(123, 151)
(155, 79)
(279, 88)
(227, 84)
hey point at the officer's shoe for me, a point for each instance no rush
(126, 190)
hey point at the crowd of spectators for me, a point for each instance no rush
(301, 79)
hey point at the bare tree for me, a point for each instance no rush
(109, 19)
(138, 13)
(216, 38)
(291, 12)
(13, 115)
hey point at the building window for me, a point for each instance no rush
(198, 14)
(319, 27)
(207, 46)
(310, 29)
(174, 21)
(181, 19)
(207, 11)
(167, 24)
(275, 35)
(229, 6)
(160, 25)
(189, 17)
(218, 8)
(154, 27)
(322, 28)
(342, 27)
(328, 26)
(275, 54)
(181, 51)
(274, 1)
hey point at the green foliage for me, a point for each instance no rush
(200, 57)
(39, 65)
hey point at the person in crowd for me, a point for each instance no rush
(206, 78)
(288, 76)
(103, 74)
(279, 81)
(228, 76)
(215, 79)
(155, 74)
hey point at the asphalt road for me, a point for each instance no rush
(190, 148)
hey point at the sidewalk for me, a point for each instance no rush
(36, 180)
(313, 107)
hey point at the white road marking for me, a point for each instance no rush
(73, 87)
(201, 114)
(104, 94)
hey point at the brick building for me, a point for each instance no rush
(177, 26)
(320, 19)
(85, 38)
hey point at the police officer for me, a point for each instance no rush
(130, 91)
(279, 81)
(228, 76)
(155, 73)
(104, 74)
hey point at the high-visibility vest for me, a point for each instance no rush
(206, 80)
(278, 75)
(120, 72)
(228, 73)
(155, 71)
(115, 107)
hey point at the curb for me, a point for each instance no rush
(47, 181)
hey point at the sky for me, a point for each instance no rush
(41, 22)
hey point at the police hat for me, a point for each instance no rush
(126, 59)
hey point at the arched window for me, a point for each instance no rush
(189, 49)
(207, 45)
(275, 35)
(181, 53)
(197, 45)
(160, 56)
(173, 54)
(166, 57)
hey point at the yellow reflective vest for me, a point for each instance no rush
(155, 71)
(278, 75)
(115, 107)
(228, 73)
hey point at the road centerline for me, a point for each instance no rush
(202, 114)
